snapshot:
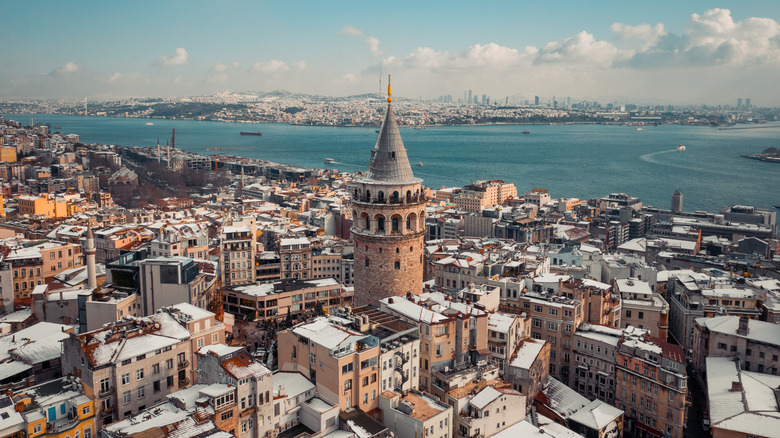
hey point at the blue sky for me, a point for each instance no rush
(665, 51)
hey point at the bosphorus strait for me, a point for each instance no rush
(570, 160)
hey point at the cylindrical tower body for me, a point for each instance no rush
(677, 202)
(389, 234)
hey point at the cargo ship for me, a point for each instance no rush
(252, 133)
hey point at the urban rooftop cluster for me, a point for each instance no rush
(155, 292)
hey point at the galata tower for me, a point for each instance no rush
(388, 217)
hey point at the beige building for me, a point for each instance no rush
(340, 360)
(453, 335)
(484, 194)
(651, 385)
(529, 367)
(416, 414)
(757, 343)
(274, 301)
(238, 250)
(295, 254)
(130, 364)
(642, 308)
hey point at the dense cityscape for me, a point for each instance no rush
(151, 291)
(220, 220)
(298, 109)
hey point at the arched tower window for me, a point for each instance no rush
(368, 263)
(395, 224)
(381, 197)
(397, 264)
(395, 197)
(408, 222)
(380, 223)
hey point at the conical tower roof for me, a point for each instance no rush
(389, 163)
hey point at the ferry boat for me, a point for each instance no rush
(329, 161)
(681, 148)
(149, 124)
(638, 129)
(419, 164)
(252, 133)
(526, 132)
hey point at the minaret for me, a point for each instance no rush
(388, 220)
(241, 186)
(89, 250)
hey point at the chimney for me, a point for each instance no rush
(736, 387)
(743, 329)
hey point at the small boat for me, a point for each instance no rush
(526, 132)
(681, 148)
(638, 129)
(329, 161)
(419, 164)
(149, 124)
(777, 206)
(252, 133)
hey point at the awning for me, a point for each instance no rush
(648, 429)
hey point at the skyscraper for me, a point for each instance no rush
(747, 103)
(739, 102)
(470, 101)
(536, 100)
(388, 217)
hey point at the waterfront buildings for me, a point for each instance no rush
(755, 343)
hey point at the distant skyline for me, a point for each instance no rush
(664, 52)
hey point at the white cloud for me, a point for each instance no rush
(65, 69)
(582, 48)
(639, 32)
(180, 57)
(272, 66)
(220, 67)
(491, 56)
(300, 65)
(714, 38)
(115, 77)
(350, 30)
(371, 41)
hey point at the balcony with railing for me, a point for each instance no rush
(183, 363)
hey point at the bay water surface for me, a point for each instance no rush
(582, 161)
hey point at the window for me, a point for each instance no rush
(141, 392)
(85, 410)
(438, 350)
(348, 384)
(641, 315)
(200, 342)
(348, 368)
(628, 314)
(125, 379)
(227, 415)
(553, 311)
(169, 364)
(139, 374)
(552, 326)
(37, 427)
(156, 386)
(126, 397)
(104, 385)
(156, 368)
(397, 264)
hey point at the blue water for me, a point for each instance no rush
(583, 161)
